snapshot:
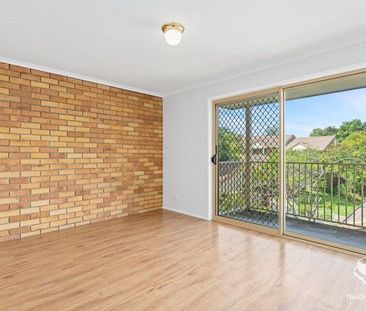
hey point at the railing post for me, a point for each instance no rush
(363, 204)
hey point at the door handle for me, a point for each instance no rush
(214, 159)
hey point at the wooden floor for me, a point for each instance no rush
(167, 261)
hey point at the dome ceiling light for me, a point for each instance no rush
(173, 32)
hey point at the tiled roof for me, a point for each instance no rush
(268, 141)
(317, 143)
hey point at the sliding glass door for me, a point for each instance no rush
(248, 160)
(326, 161)
(293, 161)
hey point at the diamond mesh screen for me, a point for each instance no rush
(248, 160)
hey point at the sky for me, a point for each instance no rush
(303, 115)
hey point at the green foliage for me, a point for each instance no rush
(229, 201)
(352, 149)
(347, 128)
(231, 145)
(306, 155)
(351, 145)
(328, 131)
(357, 139)
(327, 187)
(325, 206)
(336, 187)
(274, 156)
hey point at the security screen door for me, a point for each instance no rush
(247, 158)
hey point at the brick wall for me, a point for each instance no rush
(74, 152)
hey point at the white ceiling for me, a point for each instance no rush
(120, 41)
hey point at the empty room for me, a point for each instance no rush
(182, 155)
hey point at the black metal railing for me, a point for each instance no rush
(332, 193)
(327, 192)
(249, 191)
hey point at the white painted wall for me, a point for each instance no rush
(187, 123)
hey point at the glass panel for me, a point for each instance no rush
(325, 125)
(248, 160)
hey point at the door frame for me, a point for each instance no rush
(215, 216)
(280, 232)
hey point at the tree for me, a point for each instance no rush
(354, 146)
(347, 128)
(328, 131)
(306, 155)
(231, 145)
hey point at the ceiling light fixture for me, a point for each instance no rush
(173, 32)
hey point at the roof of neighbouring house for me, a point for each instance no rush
(268, 141)
(317, 142)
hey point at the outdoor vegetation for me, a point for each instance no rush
(327, 185)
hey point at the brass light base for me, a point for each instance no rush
(173, 25)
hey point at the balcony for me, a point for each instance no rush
(322, 200)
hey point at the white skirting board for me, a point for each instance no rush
(185, 213)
